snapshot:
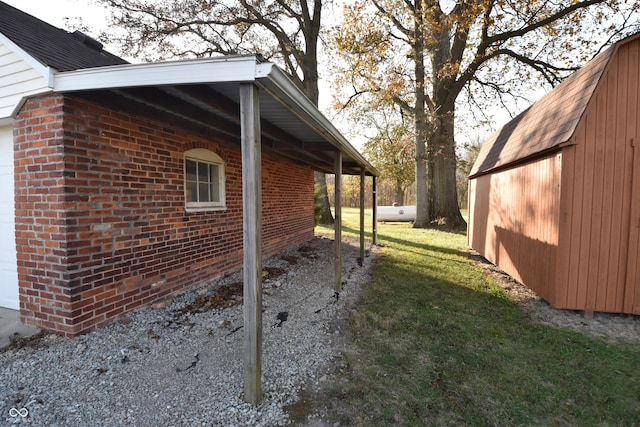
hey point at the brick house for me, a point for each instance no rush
(121, 184)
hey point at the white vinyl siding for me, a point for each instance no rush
(18, 79)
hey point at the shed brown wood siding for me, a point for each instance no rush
(564, 219)
(598, 260)
(514, 221)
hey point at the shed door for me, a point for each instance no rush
(8, 263)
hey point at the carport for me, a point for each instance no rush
(231, 96)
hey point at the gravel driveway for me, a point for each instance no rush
(182, 364)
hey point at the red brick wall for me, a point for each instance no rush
(101, 226)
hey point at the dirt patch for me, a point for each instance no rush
(300, 410)
(224, 297)
(291, 259)
(270, 273)
(17, 341)
(308, 252)
(611, 326)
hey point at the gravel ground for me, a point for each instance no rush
(182, 364)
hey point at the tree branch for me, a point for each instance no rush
(507, 35)
(394, 20)
(544, 68)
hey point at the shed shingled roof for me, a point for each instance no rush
(549, 122)
(52, 46)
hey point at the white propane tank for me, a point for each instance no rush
(396, 213)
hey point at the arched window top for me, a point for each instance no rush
(203, 154)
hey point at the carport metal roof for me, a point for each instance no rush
(204, 94)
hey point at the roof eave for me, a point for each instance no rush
(235, 69)
(519, 162)
(219, 70)
(273, 80)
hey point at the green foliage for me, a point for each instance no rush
(439, 343)
(392, 152)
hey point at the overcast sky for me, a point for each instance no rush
(55, 11)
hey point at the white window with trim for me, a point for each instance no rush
(204, 180)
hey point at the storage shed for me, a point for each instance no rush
(555, 194)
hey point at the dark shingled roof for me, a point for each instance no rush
(547, 123)
(52, 46)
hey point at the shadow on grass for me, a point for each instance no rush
(385, 237)
(437, 343)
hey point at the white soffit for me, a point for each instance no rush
(282, 88)
(279, 86)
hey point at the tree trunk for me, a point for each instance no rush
(309, 68)
(422, 203)
(445, 211)
(327, 218)
(399, 199)
(443, 192)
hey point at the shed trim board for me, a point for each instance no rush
(632, 280)
(590, 224)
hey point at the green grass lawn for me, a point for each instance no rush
(437, 342)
